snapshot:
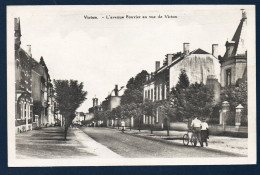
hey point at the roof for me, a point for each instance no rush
(199, 51)
(237, 40)
(244, 77)
(181, 56)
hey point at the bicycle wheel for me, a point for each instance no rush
(194, 140)
(186, 139)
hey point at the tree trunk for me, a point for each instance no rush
(130, 123)
(168, 128)
(65, 132)
(139, 124)
(65, 128)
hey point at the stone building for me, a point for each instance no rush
(112, 101)
(234, 61)
(234, 71)
(34, 91)
(23, 84)
(41, 93)
(200, 66)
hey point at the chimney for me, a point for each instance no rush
(116, 90)
(29, 50)
(169, 58)
(186, 48)
(215, 50)
(17, 33)
(157, 65)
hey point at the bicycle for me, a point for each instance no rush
(187, 137)
(123, 129)
(190, 137)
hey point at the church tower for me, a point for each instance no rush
(234, 61)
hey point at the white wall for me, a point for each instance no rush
(197, 66)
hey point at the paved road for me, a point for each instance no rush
(137, 147)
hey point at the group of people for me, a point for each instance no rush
(200, 128)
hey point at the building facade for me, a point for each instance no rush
(200, 67)
(23, 84)
(35, 101)
(234, 61)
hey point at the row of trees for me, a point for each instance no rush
(184, 101)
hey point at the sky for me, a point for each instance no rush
(104, 52)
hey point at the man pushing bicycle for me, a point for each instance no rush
(196, 126)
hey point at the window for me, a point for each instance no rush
(21, 110)
(149, 94)
(157, 115)
(155, 95)
(228, 77)
(159, 92)
(25, 110)
(152, 94)
(163, 89)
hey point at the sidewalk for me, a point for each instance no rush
(49, 143)
(222, 143)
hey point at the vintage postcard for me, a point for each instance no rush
(107, 85)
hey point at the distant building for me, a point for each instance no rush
(234, 61)
(42, 92)
(112, 101)
(94, 109)
(80, 116)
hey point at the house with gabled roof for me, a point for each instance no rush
(200, 67)
(198, 64)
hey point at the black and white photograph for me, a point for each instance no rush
(108, 85)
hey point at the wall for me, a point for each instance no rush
(240, 68)
(149, 87)
(89, 116)
(197, 66)
(36, 86)
(214, 129)
(114, 102)
(237, 67)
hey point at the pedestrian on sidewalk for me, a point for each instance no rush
(204, 131)
(123, 125)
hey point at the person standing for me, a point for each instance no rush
(204, 131)
(196, 126)
(123, 125)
